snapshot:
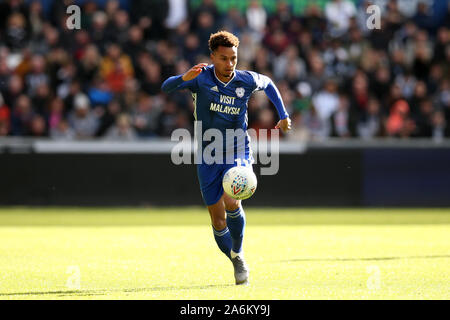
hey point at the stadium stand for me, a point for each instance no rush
(337, 77)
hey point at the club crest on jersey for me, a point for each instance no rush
(240, 92)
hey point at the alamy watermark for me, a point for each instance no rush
(374, 20)
(73, 22)
(231, 146)
(374, 280)
(74, 280)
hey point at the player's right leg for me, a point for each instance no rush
(209, 177)
(236, 224)
(219, 223)
(235, 219)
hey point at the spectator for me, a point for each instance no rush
(151, 83)
(5, 75)
(14, 89)
(441, 44)
(256, 18)
(37, 76)
(117, 29)
(289, 61)
(116, 68)
(234, 22)
(83, 121)
(423, 119)
(36, 18)
(423, 19)
(422, 56)
(4, 117)
(315, 22)
(359, 96)
(88, 66)
(338, 14)
(56, 113)
(325, 103)
(277, 41)
(111, 8)
(135, 43)
(317, 128)
(439, 124)
(205, 26)
(41, 99)
(62, 131)
(99, 93)
(208, 6)
(406, 83)
(357, 46)
(316, 76)
(281, 18)
(122, 130)
(398, 123)
(381, 82)
(264, 123)
(98, 29)
(151, 17)
(299, 132)
(248, 47)
(16, 31)
(191, 48)
(340, 120)
(146, 116)
(336, 58)
(370, 125)
(38, 127)
(22, 116)
(177, 13)
(262, 63)
(108, 118)
(167, 119)
(419, 95)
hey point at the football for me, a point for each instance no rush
(239, 182)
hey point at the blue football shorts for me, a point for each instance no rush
(210, 177)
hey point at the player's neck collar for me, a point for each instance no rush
(224, 83)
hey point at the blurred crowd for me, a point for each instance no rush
(337, 77)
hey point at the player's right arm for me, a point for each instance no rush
(183, 81)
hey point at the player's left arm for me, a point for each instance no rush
(265, 83)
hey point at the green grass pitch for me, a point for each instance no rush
(71, 253)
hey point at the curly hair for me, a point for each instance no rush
(222, 38)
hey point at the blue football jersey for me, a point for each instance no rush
(222, 106)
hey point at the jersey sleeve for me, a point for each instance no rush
(177, 83)
(263, 82)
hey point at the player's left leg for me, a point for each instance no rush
(235, 222)
(220, 229)
(236, 225)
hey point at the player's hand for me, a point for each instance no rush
(193, 72)
(284, 124)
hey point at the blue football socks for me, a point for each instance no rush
(236, 225)
(223, 240)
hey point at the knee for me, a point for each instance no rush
(219, 223)
(232, 204)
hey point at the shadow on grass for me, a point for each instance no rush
(211, 286)
(81, 293)
(366, 259)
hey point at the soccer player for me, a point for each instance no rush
(221, 95)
